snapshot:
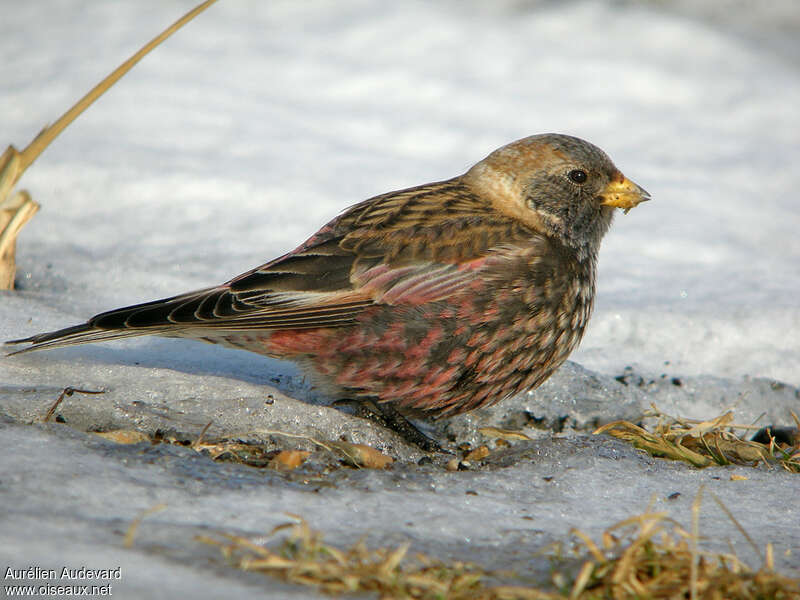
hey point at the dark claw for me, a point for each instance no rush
(387, 416)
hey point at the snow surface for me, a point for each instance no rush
(259, 122)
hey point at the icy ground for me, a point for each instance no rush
(259, 122)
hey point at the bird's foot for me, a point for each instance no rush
(389, 417)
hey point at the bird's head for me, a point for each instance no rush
(559, 185)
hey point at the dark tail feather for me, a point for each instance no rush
(78, 334)
(53, 335)
(140, 319)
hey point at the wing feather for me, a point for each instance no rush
(413, 246)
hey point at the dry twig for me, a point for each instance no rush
(17, 210)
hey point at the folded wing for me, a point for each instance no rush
(409, 247)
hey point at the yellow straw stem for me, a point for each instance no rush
(48, 134)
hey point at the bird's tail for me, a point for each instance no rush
(140, 319)
(77, 334)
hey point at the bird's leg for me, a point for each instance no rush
(387, 416)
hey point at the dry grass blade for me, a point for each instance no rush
(694, 539)
(503, 434)
(736, 524)
(655, 444)
(724, 420)
(130, 535)
(199, 441)
(648, 556)
(590, 545)
(702, 443)
(48, 134)
(124, 436)
(582, 580)
(14, 213)
(305, 559)
(356, 455)
(17, 210)
(656, 560)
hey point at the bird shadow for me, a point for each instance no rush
(197, 358)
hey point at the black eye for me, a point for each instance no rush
(577, 175)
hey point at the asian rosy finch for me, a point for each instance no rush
(429, 301)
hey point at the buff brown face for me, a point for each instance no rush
(432, 300)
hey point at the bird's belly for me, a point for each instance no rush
(440, 358)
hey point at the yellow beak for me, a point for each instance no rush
(623, 193)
